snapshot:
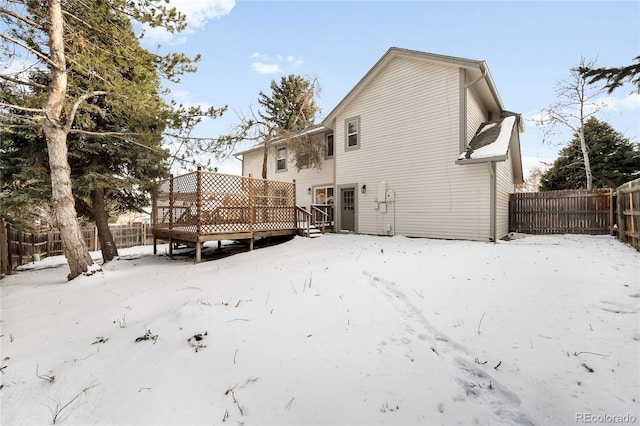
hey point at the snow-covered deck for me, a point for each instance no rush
(205, 206)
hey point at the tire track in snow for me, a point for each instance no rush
(477, 384)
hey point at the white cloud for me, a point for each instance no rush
(258, 55)
(629, 102)
(198, 13)
(295, 61)
(271, 65)
(263, 68)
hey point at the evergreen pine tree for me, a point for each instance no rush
(614, 160)
(615, 76)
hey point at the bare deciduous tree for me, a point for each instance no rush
(577, 102)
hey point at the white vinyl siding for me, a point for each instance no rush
(409, 133)
(504, 187)
(476, 114)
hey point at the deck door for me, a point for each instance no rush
(347, 209)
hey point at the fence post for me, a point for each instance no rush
(9, 250)
(3, 248)
(611, 209)
(621, 221)
(49, 242)
(20, 247)
(33, 244)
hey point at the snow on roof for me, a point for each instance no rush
(491, 141)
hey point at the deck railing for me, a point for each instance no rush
(204, 203)
(322, 216)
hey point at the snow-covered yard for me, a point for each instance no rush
(343, 329)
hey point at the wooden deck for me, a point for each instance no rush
(205, 206)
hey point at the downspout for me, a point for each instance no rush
(483, 69)
(492, 201)
(463, 104)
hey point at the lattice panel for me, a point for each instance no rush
(274, 206)
(225, 204)
(212, 203)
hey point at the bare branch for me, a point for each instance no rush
(103, 134)
(76, 105)
(23, 82)
(21, 18)
(29, 49)
(2, 104)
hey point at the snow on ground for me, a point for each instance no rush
(343, 329)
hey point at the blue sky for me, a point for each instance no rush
(528, 46)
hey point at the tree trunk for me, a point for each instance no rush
(107, 244)
(265, 158)
(585, 156)
(64, 211)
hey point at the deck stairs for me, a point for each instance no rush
(312, 232)
(314, 222)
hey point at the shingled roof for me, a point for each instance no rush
(491, 142)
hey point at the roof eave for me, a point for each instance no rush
(493, 159)
(393, 51)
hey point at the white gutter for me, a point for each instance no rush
(483, 69)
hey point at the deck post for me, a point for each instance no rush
(198, 202)
(171, 202)
(198, 251)
(295, 203)
(251, 210)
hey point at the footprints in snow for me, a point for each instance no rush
(474, 382)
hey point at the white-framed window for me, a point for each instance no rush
(323, 195)
(329, 146)
(281, 159)
(352, 133)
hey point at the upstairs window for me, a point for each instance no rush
(281, 159)
(352, 133)
(329, 143)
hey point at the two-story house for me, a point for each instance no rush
(422, 146)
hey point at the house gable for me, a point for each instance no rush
(398, 134)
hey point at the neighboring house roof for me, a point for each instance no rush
(478, 72)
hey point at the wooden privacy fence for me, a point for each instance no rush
(206, 206)
(18, 247)
(562, 212)
(628, 208)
